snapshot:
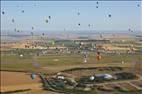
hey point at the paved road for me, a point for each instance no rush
(125, 81)
(48, 85)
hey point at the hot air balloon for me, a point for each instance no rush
(46, 20)
(97, 2)
(42, 34)
(18, 30)
(22, 11)
(97, 7)
(49, 17)
(15, 29)
(85, 60)
(32, 33)
(85, 57)
(21, 55)
(32, 27)
(89, 25)
(130, 30)
(3, 12)
(53, 43)
(98, 53)
(101, 36)
(109, 15)
(13, 20)
(78, 24)
(138, 5)
(78, 13)
(98, 57)
(122, 62)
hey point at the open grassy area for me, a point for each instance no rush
(15, 62)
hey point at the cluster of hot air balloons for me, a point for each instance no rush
(23, 11)
(79, 24)
(130, 30)
(97, 6)
(47, 19)
(78, 13)
(35, 64)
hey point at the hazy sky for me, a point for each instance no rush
(124, 15)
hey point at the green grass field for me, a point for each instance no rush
(15, 62)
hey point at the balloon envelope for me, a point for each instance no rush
(79, 24)
(22, 11)
(89, 25)
(3, 12)
(46, 21)
(13, 20)
(32, 33)
(109, 15)
(32, 28)
(18, 30)
(78, 13)
(49, 17)
(99, 57)
(138, 5)
(15, 29)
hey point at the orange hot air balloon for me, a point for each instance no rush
(98, 57)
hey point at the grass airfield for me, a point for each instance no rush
(16, 63)
(12, 64)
